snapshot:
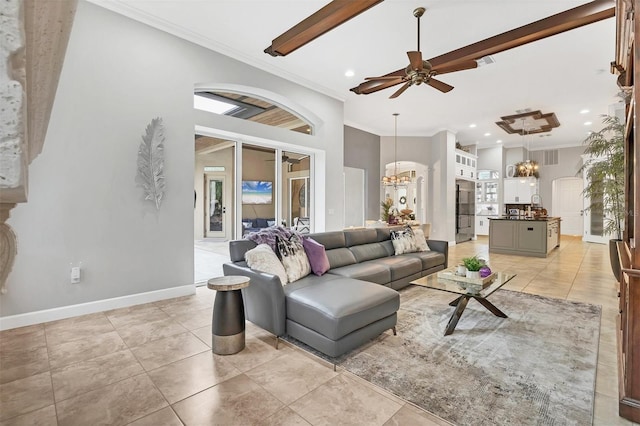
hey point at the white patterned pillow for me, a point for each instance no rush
(293, 257)
(403, 241)
(421, 241)
(263, 259)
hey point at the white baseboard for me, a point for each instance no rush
(37, 317)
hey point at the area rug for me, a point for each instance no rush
(537, 367)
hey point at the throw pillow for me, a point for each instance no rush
(294, 259)
(246, 224)
(271, 223)
(263, 259)
(403, 241)
(421, 241)
(317, 256)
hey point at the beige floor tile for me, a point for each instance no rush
(163, 417)
(164, 351)
(607, 382)
(204, 334)
(135, 315)
(291, 376)
(70, 329)
(20, 364)
(85, 376)
(189, 376)
(237, 401)
(606, 412)
(22, 339)
(284, 417)
(43, 417)
(346, 402)
(136, 334)
(195, 319)
(410, 415)
(116, 404)
(83, 349)
(255, 353)
(25, 395)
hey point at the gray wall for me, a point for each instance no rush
(362, 151)
(84, 204)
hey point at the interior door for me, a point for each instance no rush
(593, 221)
(216, 202)
(568, 204)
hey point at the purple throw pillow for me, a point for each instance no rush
(317, 256)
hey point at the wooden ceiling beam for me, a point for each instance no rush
(330, 16)
(585, 14)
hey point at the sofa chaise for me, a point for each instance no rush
(352, 303)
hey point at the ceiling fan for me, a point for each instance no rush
(290, 160)
(417, 72)
(420, 71)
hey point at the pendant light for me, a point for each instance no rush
(395, 180)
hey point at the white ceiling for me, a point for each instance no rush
(563, 74)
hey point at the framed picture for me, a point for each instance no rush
(257, 192)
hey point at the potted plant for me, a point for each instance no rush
(473, 265)
(604, 171)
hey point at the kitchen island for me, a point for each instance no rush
(525, 237)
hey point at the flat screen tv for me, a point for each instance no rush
(257, 192)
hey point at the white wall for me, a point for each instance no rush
(84, 205)
(438, 154)
(569, 161)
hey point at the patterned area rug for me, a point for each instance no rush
(537, 367)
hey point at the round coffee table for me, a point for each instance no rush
(227, 324)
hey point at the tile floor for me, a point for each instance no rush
(152, 364)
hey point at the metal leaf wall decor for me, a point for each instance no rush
(151, 162)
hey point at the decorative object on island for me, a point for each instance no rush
(604, 171)
(395, 180)
(151, 162)
(527, 168)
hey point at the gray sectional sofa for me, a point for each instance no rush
(353, 302)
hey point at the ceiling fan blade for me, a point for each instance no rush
(443, 87)
(415, 59)
(400, 90)
(461, 66)
(330, 16)
(564, 21)
(363, 87)
(382, 86)
(384, 77)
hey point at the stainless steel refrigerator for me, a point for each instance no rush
(465, 210)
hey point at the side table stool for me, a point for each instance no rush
(227, 324)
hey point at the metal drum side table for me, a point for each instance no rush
(227, 324)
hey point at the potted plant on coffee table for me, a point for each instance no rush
(473, 265)
(604, 171)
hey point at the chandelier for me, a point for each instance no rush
(395, 180)
(528, 168)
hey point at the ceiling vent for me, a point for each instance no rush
(485, 60)
(522, 111)
(547, 157)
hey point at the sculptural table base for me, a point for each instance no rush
(461, 303)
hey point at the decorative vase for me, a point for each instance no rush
(485, 271)
(473, 274)
(461, 270)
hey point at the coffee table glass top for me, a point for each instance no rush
(461, 287)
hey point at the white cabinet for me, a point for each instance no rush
(482, 224)
(465, 165)
(519, 190)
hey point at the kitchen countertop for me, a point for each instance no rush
(545, 219)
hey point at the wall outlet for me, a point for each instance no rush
(75, 274)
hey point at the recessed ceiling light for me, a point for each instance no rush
(587, 123)
(487, 134)
(584, 111)
(472, 125)
(499, 141)
(589, 133)
(349, 73)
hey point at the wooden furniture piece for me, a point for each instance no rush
(227, 324)
(466, 293)
(627, 55)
